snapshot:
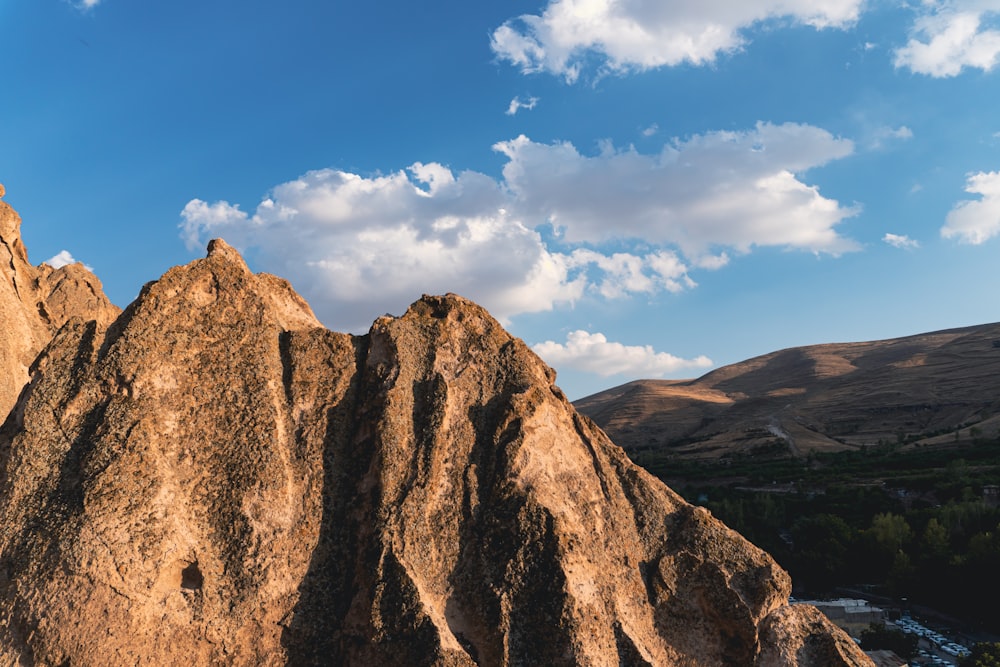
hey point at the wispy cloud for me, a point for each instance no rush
(712, 262)
(517, 104)
(950, 36)
(637, 36)
(594, 353)
(900, 241)
(884, 135)
(976, 221)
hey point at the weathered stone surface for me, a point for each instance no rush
(34, 303)
(216, 478)
(72, 291)
(799, 635)
(23, 333)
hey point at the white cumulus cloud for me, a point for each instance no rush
(620, 274)
(63, 258)
(594, 353)
(900, 241)
(976, 221)
(951, 35)
(718, 190)
(626, 223)
(60, 259)
(358, 247)
(632, 34)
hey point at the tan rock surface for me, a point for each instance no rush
(217, 479)
(798, 635)
(34, 303)
(23, 333)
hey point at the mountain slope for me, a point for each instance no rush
(823, 397)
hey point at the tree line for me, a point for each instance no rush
(915, 525)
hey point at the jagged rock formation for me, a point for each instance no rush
(34, 303)
(216, 478)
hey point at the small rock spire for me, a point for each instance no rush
(220, 249)
(10, 223)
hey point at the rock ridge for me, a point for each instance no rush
(34, 303)
(214, 477)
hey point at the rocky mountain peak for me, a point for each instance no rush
(10, 233)
(219, 248)
(216, 478)
(35, 302)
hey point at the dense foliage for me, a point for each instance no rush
(904, 521)
(983, 655)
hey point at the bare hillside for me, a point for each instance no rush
(935, 387)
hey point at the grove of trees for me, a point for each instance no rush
(917, 527)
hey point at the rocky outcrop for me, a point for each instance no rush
(797, 635)
(216, 478)
(34, 303)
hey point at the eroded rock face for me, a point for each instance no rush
(796, 635)
(23, 332)
(34, 303)
(216, 478)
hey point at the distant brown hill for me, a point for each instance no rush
(935, 387)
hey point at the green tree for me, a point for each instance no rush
(902, 575)
(822, 544)
(890, 532)
(934, 543)
(887, 535)
(983, 655)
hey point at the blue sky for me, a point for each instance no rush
(635, 188)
